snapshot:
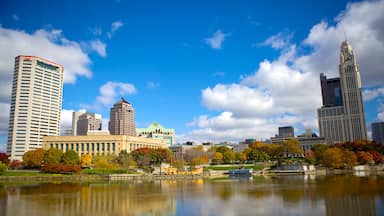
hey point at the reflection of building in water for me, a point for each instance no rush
(102, 199)
(350, 205)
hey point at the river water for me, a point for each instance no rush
(282, 195)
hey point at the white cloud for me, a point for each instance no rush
(114, 27)
(153, 85)
(217, 39)
(286, 91)
(370, 94)
(99, 47)
(109, 94)
(278, 41)
(66, 119)
(4, 117)
(363, 24)
(51, 45)
(97, 31)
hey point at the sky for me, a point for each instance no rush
(212, 70)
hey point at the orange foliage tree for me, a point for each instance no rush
(364, 157)
(33, 158)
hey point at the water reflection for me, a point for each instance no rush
(283, 195)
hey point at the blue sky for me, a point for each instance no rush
(214, 71)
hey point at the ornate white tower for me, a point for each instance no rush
(351, 89)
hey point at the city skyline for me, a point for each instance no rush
(217, 71)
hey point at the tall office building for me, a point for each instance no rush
(75, 118)
(88, 122)
(378, 132)
(342, 118)
(122, 119)
(35, 104)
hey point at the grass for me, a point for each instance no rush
(223, 168)
(106, 171)
(24, 173)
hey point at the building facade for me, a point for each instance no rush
(378, 132)
(75, 118)
(287, 131)
(156, 131)
(88, 122)
(36, 104)
(101, 144)
(342, 117)
(122, 119)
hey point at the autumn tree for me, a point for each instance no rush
(291, 147)
(217, 158)
(126, 160)
(376, 156)
(86, 160)
(104, 162)
(199, 160)
(349, 158)
(33, 158)
(332, 157)
(240, 157)
(70, 158)
(4, 158)
(53, 156)
(364, 157)
(318, 151)
(228, 157)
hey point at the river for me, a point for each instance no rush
(279, 195)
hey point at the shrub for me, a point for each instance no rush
(15, 164)
(3, 168)
(61, 168)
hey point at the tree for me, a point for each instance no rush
(126, 160)
(53, 156)
(4, 158)
(3, 168)
(364, 157)
(318, 151)
(240, 157)
(86, 160)
(199, 160)
(349, 158)
(376, 156)
(217, 158)
(160, 155)
(291, 147)
(70, 158)
(228, 156)
(332, 157)
(223, 149)
(15, 164)
(104, 162)
(178, 164)
(33, 158)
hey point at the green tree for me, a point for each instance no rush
(70, 158)
(104, 162)
(223, 149)
(3, 168)
(228, 156)
(33, 158)
(126, 160)
(318, 151)
(53, 156)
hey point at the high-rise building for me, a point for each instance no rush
(122, 119)
(342, 118)
(75, 118)
(156, 131)
(287, 131)
(378, 132)
(35, 104)
(88, 122)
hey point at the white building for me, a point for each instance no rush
(35, 104)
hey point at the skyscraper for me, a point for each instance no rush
(88, 122)
(342, 118)
(352, 97)
(35, 104)
(122, 119)
(378, 132)
(75, 118)
(287, 131)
